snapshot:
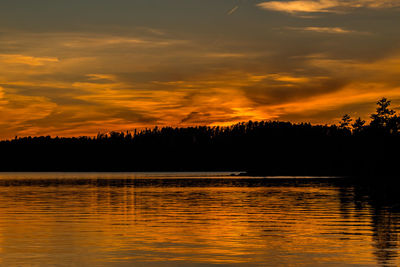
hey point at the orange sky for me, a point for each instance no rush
(80, 67)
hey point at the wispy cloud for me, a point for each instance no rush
(333, 30)
(225, 55)
(323, 6)
(299, 6)
(81, 41)
(26, 60)
(1, 94)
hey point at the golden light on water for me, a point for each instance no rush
(112, 224)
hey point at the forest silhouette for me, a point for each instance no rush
(258, 148)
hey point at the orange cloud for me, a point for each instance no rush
(26, 60)
(325, 6)
(85, 83)
(331, 30)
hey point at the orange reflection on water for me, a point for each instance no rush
(123, 224)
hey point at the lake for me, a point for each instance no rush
(192, 219)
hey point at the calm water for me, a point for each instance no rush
(190, 219)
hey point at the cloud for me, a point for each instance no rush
(325, 6)
(109, 79)
(1, 93)
(225, 55)
(26, 60)
(194, 116)
(299, 6)
(288, 79)
(285, 90)
(99, 41)
(207, 118)
(101, 78)
(14, 109)
(330, 30)
(152, 31)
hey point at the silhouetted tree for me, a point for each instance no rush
(383, 114)
(267, 147)
(345, 122)
(393, 124)
(358, 125)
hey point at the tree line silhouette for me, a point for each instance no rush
(260, 147)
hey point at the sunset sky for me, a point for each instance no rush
(79, 67)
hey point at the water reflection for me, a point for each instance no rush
(383, 201)
(191, 221)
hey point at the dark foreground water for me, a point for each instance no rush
(144, 219)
